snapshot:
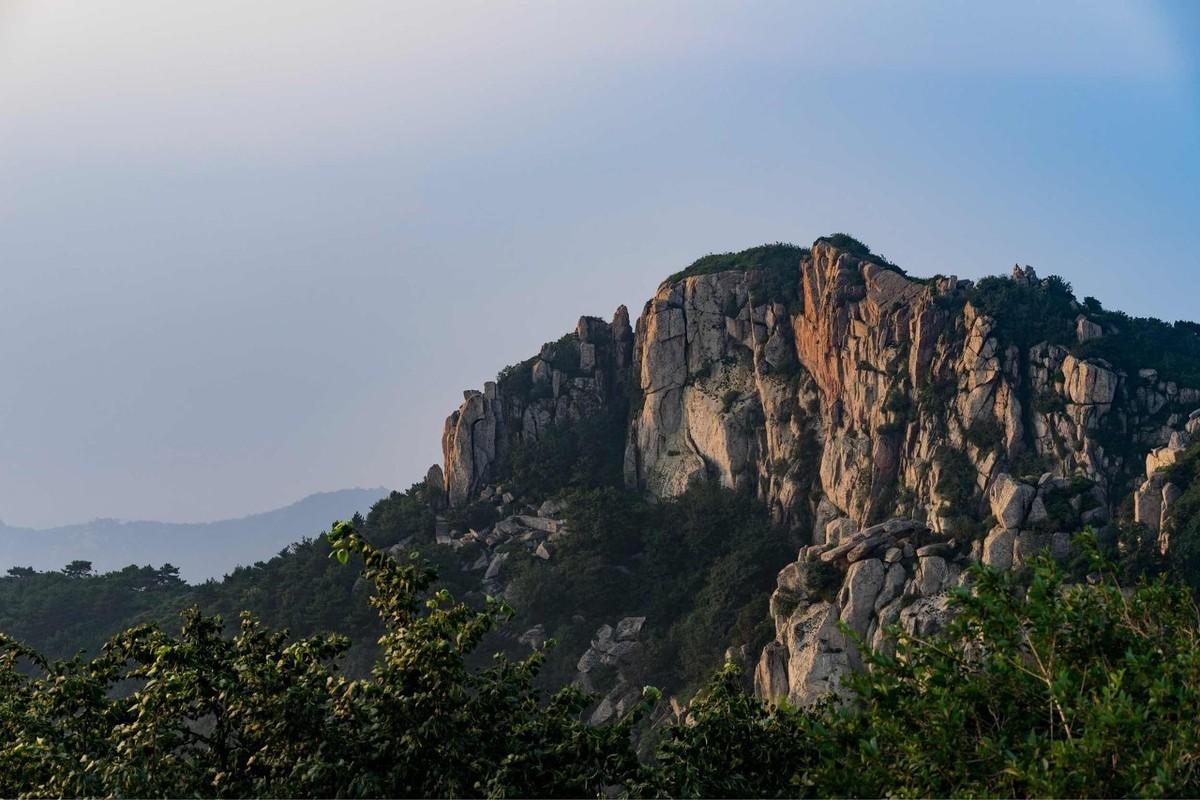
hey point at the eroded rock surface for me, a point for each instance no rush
(843, 393)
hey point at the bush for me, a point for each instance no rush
(1146, 343)
(699, 567)
(844, 241)
(1027, 314)
(778, 257)
(956, 480)
(1044, 690)
(986, 433)
(774, 273)
(584, 454)
(257, 715)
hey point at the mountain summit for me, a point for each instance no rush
(901, 427)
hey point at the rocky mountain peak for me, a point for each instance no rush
(994, 418)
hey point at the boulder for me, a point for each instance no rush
(1086, 330)
(863, 581)
(533, 638)
(494, 567)
(998, 548)
(1010, 500)
(435, 488)
(629, 628)
(931, 572)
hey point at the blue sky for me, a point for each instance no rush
(251, 251)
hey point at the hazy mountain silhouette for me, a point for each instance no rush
(201, 550)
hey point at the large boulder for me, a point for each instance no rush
(1011, 500)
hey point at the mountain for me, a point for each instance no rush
(201, 550)
(790, 450)
(900, 428)
(793, 454)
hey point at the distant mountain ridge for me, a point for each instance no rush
(201, 550)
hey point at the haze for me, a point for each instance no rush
(254, 251)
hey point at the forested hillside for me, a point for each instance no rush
(201, 550)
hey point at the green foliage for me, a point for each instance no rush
(774, 273)
(516, 380)
(62, 614)
(934, 394)
(986, 433)
(956, 479)
(1037, 687)
(1045, 690)
(844, 241)
(399, 516)
(1030, 464)
(566, 354)
(1028, 314)
(257, 715)
(823, 579)
(1183, 556)
(778, 257)
(476, 516)
(586, 454)
(1146, 343)
(78, 569)
(700, 568)
(1050, 402)
(300, 589)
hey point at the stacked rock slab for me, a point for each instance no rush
(1155, 498)
(897, 572)
(845, 594)
(619, 648)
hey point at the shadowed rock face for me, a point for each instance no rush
(843, 393)
(560, 388)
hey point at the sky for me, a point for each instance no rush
(250, 251)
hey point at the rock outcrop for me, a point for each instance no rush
(843, 393)
(582, 375)
(619, 653)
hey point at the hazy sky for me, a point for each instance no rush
(254, 250)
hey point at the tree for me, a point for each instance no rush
(78, 569)
(259, 715)
(167, 575)
(1037, 689)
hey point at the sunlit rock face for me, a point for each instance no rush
(844, 394)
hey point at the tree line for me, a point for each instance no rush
(1039, 686)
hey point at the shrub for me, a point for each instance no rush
(1145, 342)
(1041, 690)
(1027, 314)
(844, 241)
(956, 480)
(986, 433)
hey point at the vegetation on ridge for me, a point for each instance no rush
(777, 257)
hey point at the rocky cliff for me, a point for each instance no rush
(895, 422)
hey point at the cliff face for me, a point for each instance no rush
(844, 393)
(892, 377)
(583, 375)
